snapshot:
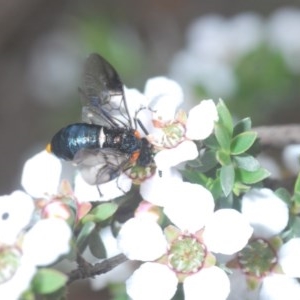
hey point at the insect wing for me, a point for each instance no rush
(99, 166)
(103, 94)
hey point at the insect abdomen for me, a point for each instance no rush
(69, 140)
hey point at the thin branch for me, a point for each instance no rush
(278, 136)
(87, 270)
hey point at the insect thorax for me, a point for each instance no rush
(121, 139)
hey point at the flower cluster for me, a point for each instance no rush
(197, 219)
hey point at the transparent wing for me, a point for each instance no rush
(102, 94)
(98, 166)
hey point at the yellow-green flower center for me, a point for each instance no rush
(258, 258)
(186, 255)
(9, 262)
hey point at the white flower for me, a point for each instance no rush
(165, 96)
(190, 208)
(267, 213)
(214, 44)
(16, 212)
(175, 137)
(152, 281)
(201, 120)
(109, 190)
(135, 244)
(168, 158)
(158, 189)
(43, 251)
(41, 174)
(39, 246)
(291, 158)
(283, 35)
(289, 258)
(205, 281)
(269, 216)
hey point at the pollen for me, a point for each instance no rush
(48, 148)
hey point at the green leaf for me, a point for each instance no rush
(242, 126)
(284, 195)
(216, 188)
(204, 162)
(195, 177)
(96, 245)
(104, 211)
(223, 137)
(227, 179)
(84, 235)
(294, 228)
(242, 142)
(223, 158)
(211, 142)
(252, 177)
(47, 281)
(247, 162)
(225, 118)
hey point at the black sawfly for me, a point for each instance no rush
(106, 143)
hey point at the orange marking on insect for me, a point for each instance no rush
(48, 148)
(137, 134)
(135, 155)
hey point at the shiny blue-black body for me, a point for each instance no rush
(72, 138)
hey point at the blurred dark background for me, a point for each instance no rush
(44, 43)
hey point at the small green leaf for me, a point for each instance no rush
(96, 245)
(223, 158)
(195, 177)
(242, 126)
(227, 179)
(84, 235)
(247, 162)
(294, 228)
(211, 142)
(252, 177)
(242, 142)
(47, 281)
(225, 118)
(104, 211)
(208, 160)
(223, 136)
(216, 188)
(284, 195)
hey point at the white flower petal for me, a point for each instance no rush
(142, 239)
(202, 285)
(168, 158)
(110, 190)
(239, 288)
(13, 288)
(152, 281)
(266, 213)
(156, 189)
(41, 174)
(227, 231)
(290, 157)
(190, 206)
(165, 96)
(16, 212)
(46, 241)
(201, 120)
(289, 258)
(278, 287)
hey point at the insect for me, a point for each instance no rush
(106, 143)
